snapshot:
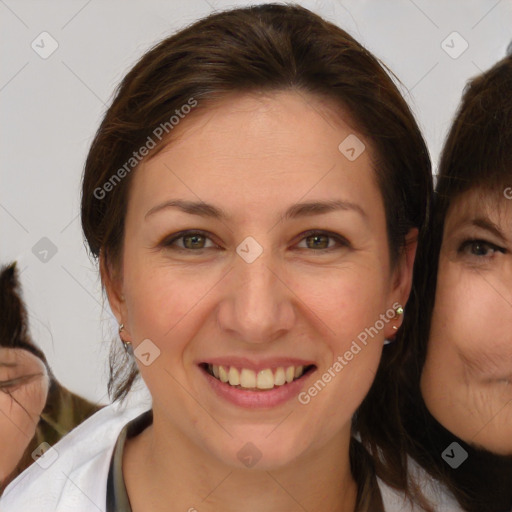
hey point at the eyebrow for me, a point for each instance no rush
(293, 212)
(486, 224)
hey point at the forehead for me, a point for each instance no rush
(262, 148)
(16, 357)
(481, 202)
(256, 126)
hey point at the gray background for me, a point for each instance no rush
(51, 108)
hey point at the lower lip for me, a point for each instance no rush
(257, 399)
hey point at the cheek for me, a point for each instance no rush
(159, 295)
(17, 427)
(349, 303)
(13, 450)
(472, 319)
(352, 305)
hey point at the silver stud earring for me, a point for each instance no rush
(126, 344)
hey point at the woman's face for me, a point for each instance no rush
(221, 268)
(467, 378)
(23, 392)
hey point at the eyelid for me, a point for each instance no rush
(24, 379)
(468, 241)
(340, 240)
(168, 242)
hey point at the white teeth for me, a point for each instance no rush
(234, 376)
(223, 374)
(248, 379)
(265, 379)
(279, 377)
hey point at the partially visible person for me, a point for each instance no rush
(459, 411)
(24, 386)
(34, 407)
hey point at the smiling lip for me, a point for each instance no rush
(256, 398)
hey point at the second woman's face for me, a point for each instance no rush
(256, 251)
(467, 378)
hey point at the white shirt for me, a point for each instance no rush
(72, 475)
(439, 496)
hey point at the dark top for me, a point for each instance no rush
(117, 497)
(483, 477)
(118, 501)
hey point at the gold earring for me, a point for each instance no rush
(399, 310)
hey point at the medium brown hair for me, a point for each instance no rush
(263, 49)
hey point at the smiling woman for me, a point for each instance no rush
(263, 236)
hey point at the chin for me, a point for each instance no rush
(259, 452)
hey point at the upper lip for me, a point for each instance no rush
(250, 364)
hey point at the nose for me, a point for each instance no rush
(258, 307)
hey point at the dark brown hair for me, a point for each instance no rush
(14, 331)
(477, 155)
(263, 49)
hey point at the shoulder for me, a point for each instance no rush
(434, 491)
(72, 474)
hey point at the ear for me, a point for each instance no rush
(402, 279)
(113, 284)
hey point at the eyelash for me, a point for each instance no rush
(472, 242)
(168, 243)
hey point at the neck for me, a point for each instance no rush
(162, 465)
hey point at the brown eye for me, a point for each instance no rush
(479, 248)
(191, 240)
(320, 240)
